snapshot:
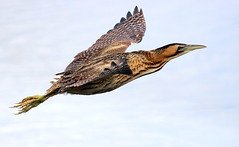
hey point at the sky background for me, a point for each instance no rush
(192, 101)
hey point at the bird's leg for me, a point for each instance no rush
(32, 101)
(29, 102)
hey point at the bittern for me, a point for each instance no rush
(106, 66)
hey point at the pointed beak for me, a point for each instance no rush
(188, 48)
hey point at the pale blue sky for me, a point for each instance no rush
(192, 101)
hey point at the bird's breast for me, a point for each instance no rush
(144, 64)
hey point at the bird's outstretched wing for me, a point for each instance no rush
(95, 71)
(129, 30)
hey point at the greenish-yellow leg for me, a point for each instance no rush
(29, 102)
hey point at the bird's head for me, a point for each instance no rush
(174, 50)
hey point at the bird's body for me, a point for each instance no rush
(109, 72)
(105, 66)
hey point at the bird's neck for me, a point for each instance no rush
(158, 56)
(163, 54)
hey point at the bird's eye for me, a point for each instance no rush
(180, 49)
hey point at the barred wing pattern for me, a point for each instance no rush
(95, 70)
(129, 30)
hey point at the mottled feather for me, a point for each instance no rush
(128, 31)
(99, 68)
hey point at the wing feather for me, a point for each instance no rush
(129, 30)
(92, 72)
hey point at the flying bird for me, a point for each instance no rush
(106, 66)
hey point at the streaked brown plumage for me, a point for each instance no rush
(105, 66)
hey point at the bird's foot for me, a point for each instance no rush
(29, 102)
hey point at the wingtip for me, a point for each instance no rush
(118, 24)
(128, 15)
(141, 11)
(122, 19)
(136, 10)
